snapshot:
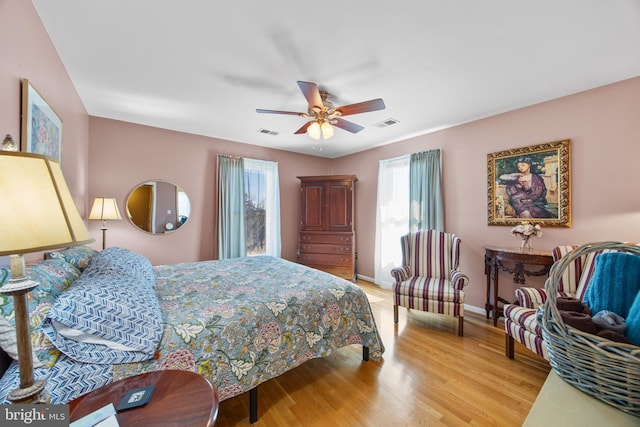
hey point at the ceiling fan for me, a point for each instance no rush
(325, 114)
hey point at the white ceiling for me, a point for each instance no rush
(203, 67)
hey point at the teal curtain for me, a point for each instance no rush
(425, 191)
(231, 227)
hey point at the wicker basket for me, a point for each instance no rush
(607, 370)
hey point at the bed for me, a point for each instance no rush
(97, 317)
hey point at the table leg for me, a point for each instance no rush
(494, 274)
(487, 272)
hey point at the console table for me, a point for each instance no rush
(494, 260)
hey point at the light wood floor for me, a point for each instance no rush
(428, 377)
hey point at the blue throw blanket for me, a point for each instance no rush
(615, 283)
(633, 322)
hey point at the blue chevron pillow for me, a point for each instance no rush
(111, 313)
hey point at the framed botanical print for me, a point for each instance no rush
(530, 184)
(41, 126)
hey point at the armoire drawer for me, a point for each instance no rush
(326, 259)
(320, 248)
(335, 238)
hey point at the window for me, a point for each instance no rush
(392, 217)
(262, 207)
(409, 199)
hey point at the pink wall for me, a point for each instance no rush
(122, 155)
(109, 158)
(26, 52)
(603, 125)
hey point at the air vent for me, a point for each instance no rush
(386, 123)
(267, 131)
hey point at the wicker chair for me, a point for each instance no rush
(428, 279)
(521, 323)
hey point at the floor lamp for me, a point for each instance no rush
(37, 213)
(104, 208)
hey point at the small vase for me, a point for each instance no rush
(525, 244)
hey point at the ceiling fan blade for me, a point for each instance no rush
(346, 125)
(362, 107)
(311, 92)
(303, 129)
(259, 110)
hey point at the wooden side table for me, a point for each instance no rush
(181, 398)
(494, 259)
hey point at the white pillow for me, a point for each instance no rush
(80, 336)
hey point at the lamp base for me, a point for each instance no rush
(32, 394)
(18, 287)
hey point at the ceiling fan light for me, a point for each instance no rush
(314, 130)
(327, 130)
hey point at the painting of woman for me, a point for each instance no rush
(526, 191)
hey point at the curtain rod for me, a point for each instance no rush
(229, 156)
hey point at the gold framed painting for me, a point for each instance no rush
(41, 126)
(530, 184)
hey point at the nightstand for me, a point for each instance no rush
(181, 398)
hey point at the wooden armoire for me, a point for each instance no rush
(327, 230)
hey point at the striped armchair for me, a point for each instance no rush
(521, 323)
(428, 279)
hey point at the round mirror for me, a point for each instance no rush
(158, 207)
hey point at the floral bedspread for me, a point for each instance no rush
(240, 322)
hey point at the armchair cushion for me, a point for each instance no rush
(429, 289)
(525, 317)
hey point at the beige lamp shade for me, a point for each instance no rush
(37, 211)
(105, 208)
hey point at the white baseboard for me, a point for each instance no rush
(367, 278)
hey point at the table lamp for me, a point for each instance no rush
(37, 213)
(104, 208)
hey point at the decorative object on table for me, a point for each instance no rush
(605, 369)
(103, 417)
(103, 209)
(530, 183)
(39, 206)
(525, 231)
(136, 397)
(41, 126)
(8, 144)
